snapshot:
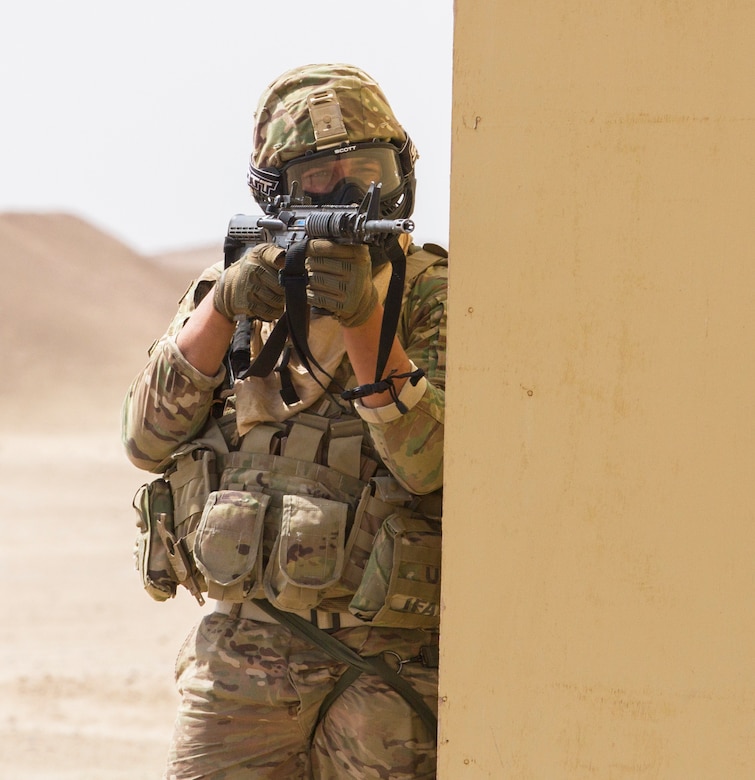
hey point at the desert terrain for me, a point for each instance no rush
(86, 656)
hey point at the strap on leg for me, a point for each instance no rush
(335, 649)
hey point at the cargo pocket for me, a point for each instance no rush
(227, 543)
(401, 582)
(308, 555)
(154, 511)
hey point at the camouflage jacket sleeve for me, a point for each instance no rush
(169, 401)
(411, 444)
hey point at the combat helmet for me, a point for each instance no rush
(327, 117)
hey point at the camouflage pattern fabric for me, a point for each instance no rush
(283, 127)
(169, 401)
(412, 446)
(251, 693)
(401, 583)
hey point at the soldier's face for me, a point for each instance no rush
(323, 177)
(332, 171)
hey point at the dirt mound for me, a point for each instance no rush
(86, 664)
(79, 310)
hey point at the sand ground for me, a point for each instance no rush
(87, 656)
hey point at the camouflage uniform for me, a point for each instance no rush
(251, 691)
(170, 401)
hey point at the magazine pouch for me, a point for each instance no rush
(227, 543)
(309, 552)
(401, 582)
(154, 512)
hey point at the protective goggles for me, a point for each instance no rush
(323, 173)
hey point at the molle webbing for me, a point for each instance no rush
(285, 515)
(278, 476)
(337, 443)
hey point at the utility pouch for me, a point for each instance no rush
(309, 552)
(154, 511)
(401, 582)
(227, 544)
(191, 478)
(370, 514)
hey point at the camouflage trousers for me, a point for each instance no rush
(251, 692)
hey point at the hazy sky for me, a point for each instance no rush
(138, 116)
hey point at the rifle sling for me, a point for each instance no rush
(294, 323)
(392, 306)
(293, 279)
(340, 652)
(344, 681)
(264, 363)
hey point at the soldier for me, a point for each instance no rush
(310, 515)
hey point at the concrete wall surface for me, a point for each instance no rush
(599, 522)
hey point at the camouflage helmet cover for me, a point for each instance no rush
(284, 130)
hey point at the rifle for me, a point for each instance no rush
(292, 218)
(289, 222)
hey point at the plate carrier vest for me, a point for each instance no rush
(299, 513)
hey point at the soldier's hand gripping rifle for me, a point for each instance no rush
(289, 222)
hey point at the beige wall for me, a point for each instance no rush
(599, 517)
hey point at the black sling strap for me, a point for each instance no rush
(294, 324)
(271, 350)
(359, 665)
(388, 328)
(294, 278)
(392, 306)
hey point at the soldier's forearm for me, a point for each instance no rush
(204, 338)
(362, 344)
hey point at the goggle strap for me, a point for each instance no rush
(264, 181)
(408, 155)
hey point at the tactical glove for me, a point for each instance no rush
(250, 286)
(340, 281)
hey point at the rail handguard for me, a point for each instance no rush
(292, 218)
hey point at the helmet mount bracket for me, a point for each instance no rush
(326, 117)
